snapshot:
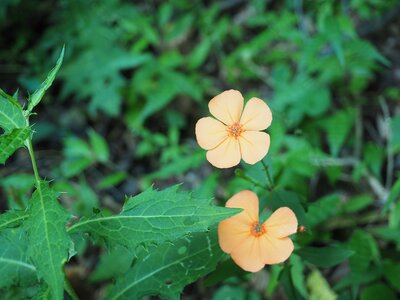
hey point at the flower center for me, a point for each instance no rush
(235, 130)
(257, 229)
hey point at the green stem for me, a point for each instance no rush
(270, 180)
(33, 160)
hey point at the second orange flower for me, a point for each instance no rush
(236, 134)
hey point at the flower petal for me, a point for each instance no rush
(254, 145)
(210, 133)
(226, 154)
(247, 255)
(256, 115)
(273, 250)
(247, 200)
(281, 223)
(233, 231)
(227, 106)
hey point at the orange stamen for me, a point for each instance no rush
(257, 229)
(235, 130)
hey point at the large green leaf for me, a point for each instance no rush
(35, 98)
(12, 141)
(167, 268)
(14, 265)
(324, 257)
(48, 240)
(11, 115)
(12, 218)
(155, 216)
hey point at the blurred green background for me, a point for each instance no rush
(138, 75)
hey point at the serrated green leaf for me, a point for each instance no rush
(155, 216)
(48, 240)
(12, 99)
(35, 98)
(165, 270)
(14, 265)
(12, 218)
(11, 115)
(324, 257)
(12, 141)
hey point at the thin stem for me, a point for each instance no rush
(270, 180)
(33, 160)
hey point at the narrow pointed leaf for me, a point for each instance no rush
(11, 115)
(14, 265)
(48, 240)
(167, 269)
(155, 216)
(35, 98)
(12, 141)
(12, 218)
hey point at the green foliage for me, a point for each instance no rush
(154, 216)
(49, 245)
(324, 257)
(11, 115)
(319, 287)
(12, 218)
(35, 98)
(12, 141)
(135, 79)
(14, 264)
(165, 270)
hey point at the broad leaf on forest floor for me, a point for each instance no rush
(48, 240)
(12, 141)
(14, 265)
(155, 216)
(169, 267)
(12, 218)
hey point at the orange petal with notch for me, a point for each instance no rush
(234, 230)
(273, 250)
(226, 154)
(248, 255)
(254, 145)
(256, 115)
(227, 106)
(210, 133)
(281, 223)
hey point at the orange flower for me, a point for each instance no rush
(251, 244)
(235, 134)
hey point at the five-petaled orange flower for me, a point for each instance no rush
(236, 134)
(251, 244)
